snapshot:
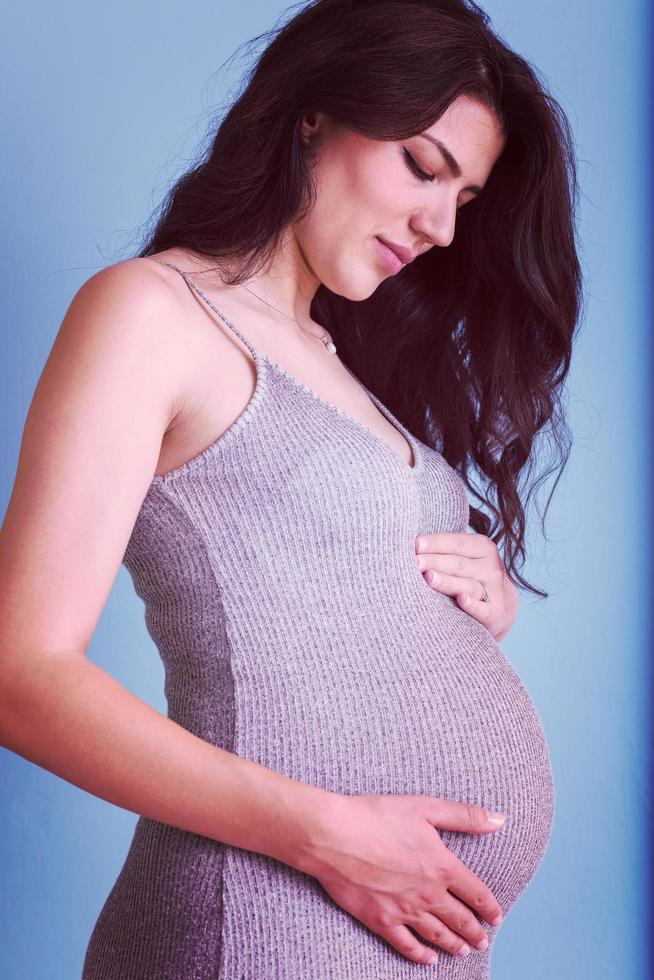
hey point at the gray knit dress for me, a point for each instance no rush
(281, 588)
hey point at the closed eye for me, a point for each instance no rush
(414, 168)
(420, 174)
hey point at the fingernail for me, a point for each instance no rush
(422, 561)
(483, 944)
(420, 544)
(465, 949)
(434, 578)
(496, 921)
(496, 818)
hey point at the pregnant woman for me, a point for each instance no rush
(366, 292)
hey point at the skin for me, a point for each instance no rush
(138, 381)
(457, 564)
(365, 188)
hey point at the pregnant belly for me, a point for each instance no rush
(420, 701)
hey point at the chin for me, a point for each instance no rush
(354, 289)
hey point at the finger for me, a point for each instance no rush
(454, 586)
(468, 818)
(482, 611)
(432, 928)
(406, 943)
(466, 886)
(461, 921)
(490, 614)
(456, 565)
(485, 568)
(465, 543)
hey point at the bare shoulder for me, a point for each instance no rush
(145, 283)
(135, 306)
(110, 387)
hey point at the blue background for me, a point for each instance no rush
(105, 105)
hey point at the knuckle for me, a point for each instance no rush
(442, 936)
(407, 948)
(382, 921)
(448, 876)
(406, 905)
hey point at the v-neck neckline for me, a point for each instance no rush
(408, 436)
(260, 356)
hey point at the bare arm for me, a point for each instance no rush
(112, 384)
(66, 714)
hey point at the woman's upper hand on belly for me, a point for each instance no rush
(461, 563)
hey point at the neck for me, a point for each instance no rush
(286, 284)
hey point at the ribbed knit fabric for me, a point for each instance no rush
(281, 587)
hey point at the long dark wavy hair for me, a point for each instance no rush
(468, 345)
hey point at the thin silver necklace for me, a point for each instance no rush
(329, 344)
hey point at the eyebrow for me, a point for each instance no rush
(455, 169)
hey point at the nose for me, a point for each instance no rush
(437, 225)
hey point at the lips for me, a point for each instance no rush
(405, 255)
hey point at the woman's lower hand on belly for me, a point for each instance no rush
(382, 861)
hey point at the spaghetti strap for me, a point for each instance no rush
(222, 316)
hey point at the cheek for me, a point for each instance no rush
(373, 191)
(345, 212)
(356, 200)
(362, 185)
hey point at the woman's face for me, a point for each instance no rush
(371, 189)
